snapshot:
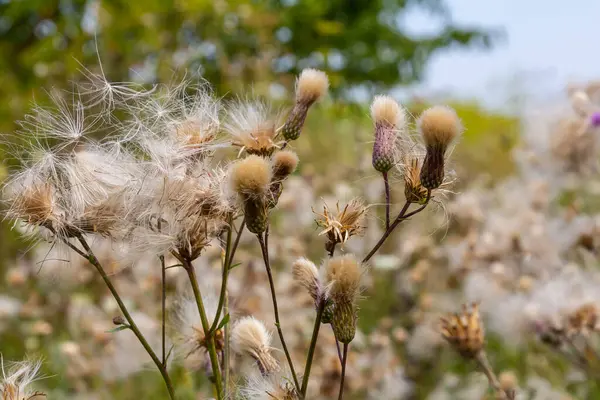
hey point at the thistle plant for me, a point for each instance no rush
(135, 168)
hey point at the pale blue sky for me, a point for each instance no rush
(548, 44)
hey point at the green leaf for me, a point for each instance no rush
(118, 328)
(234, 265)
(223, 322)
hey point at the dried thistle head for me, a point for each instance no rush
(581, 103)
(253, 127)
(344, 275)
(250, 337)
(311, 85)
(17, 378)
(270, 387)
(35, 205)
(464, 331)
(251, 179)
(439, 126)
(284, 164)
(306, 273)
(191, 340)
(344, 223)
(583, 320)
(389, 119)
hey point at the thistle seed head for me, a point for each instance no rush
(251, 177)
(343, 277)
(464, 331)
(252, 126)
(284, 164)
(250, 337)
(311, 85)
(306, 273)
(581, 103)
(439, 126)
(344, 223)
(389, 118)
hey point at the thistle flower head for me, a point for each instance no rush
(306, 273)
(583, 320)
(581, 103)
(343, 276)
(17, 378)
(311, 85)
(270, 387)
(252, 126)
(344, 223)
(389, 119)
(250, 337)
(464, 331)
(439, 126)
(251, 177)
(34, 204)
(284, 164)
(191, 339)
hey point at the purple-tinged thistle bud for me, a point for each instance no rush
(439, 126)
(311, 85)
(389, 118)
(595, 119)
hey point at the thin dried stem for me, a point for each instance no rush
(265, 255)
(401, 217)
(313, 346)
(226, 349)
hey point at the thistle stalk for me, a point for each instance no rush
(210, 342)
(344, 359)
(229, 254)
(387, 199)
(89, 255)
(403, 215)
(265, 254)
(311, 349)
(163, 285)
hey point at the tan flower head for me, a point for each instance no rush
(306, 273)
(35, 205)
(389, 119)
(583, 320)
(439, 126)
(253, 127)
(284, 164)
(464, 331)
(343, 280)
(251, 177)
(250, 337)
(311, 85)
(344, 223)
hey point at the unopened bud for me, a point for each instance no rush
(118, 320)
(344, 321)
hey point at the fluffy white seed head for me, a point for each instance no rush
(16, 380)
(344, 275)
(311, 85)
(251, 176)
(581, 103)
(250, 337)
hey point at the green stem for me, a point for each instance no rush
(132, 325)
(163, 307)
(226, 352)
(229, 254)
(210, 340)
(311, 349)
(265, 254)
(344, 359)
